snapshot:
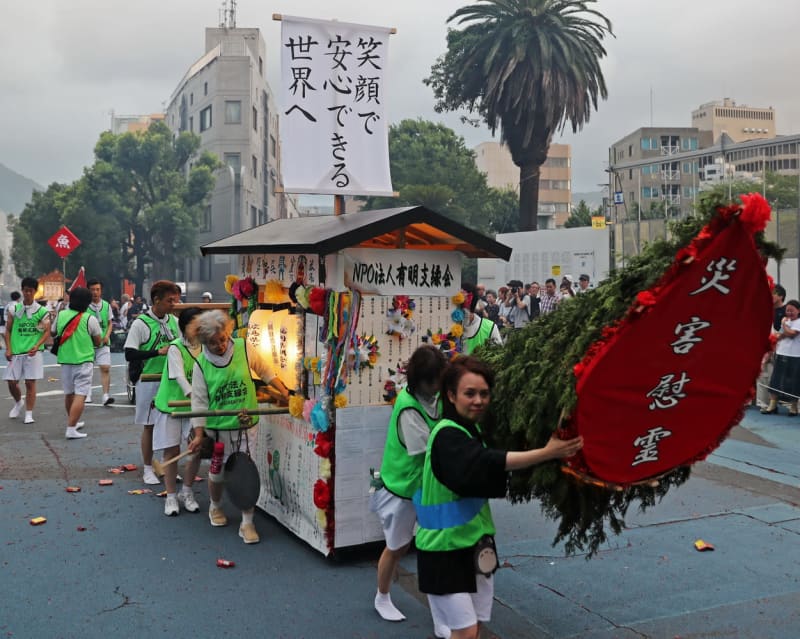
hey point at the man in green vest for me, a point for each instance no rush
(101, 309)
(148, 341)
(27, 325)
(477, 330)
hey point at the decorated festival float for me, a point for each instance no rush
(336, 305)
(653, 368)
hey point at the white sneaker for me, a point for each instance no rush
(171, 508)
(80, 425)
(88, 400)
(14, 412)
(189, 502)
(73, 433)
(107, 400)
(149, 477)
(29, 418)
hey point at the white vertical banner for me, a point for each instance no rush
(333, 125)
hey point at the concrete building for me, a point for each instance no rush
(225, 99)
(555, 180)
(668, 174)
(738, 121)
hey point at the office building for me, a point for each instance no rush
(555, 180)
(738, 121)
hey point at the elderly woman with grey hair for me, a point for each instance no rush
(221, 381)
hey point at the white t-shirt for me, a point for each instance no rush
(139, 332)
(790, 346)
(412, 429)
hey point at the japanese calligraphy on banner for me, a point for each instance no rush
(334, 131)
(672, 380)
(401, 272)
(287, 268)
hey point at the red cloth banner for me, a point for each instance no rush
(670, 382)
(80, 280)
(63, 242)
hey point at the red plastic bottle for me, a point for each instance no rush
(216, 459)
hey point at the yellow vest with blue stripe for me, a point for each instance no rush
(229, 388)
(169, 390)
(446, 520)
(401, 473)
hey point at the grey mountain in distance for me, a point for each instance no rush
(15, 190)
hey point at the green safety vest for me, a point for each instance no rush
(157, 339)
(25, 331)
(481, 337)
(229, 388)
(169, 390)
(400, 472)
(104, 316)
(446, 520)
(79, 347)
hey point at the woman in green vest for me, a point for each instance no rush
(170, 429)
(456, 557)
(80, 334)
(477, 330)
(416, 411)
(221, 381)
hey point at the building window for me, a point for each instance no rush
(630, 174)
(253, 216)
(255, 167)
(205, 119)
(630, 150)
(233, 112)
(255, 119)
(260, 66)
(205, 88)
(206, 222)
(191, 98)
(272, 184)
(233, 160)
(273, 146)
(191, 124)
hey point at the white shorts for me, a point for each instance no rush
(464, 609)
(102, 356)
(25, 367)
(76, 379)
(397, 516)
(169, 431)
(145, 411)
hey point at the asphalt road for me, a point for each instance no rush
(108, 563)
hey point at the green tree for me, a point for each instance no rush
(136, 210)
(581, 215)
(432, 166)
(527, 67)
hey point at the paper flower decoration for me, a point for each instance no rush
(319, 418)
(296, 403)
(274, 293)
(308, 406)
(458, 298)
(449, 343)
(322, 494)
(322, 519)
(398, 318)
(230, 280)
(323, 444)
(316, 300)
(244, 289)
(325, 468)
(340, 401)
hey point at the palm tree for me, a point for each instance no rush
(529, 67)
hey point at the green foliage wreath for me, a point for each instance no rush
(535, 384)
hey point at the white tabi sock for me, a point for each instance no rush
(386, 609)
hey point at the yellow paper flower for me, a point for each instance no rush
(322, 519)
(458, 298)
(436, 339)
(340, 401)
(325, 469)
(274, 292)
(296, 405)
(230, 280)
(456, 330)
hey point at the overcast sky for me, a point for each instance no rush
(67, 64)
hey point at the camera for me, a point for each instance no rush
(514, 290)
